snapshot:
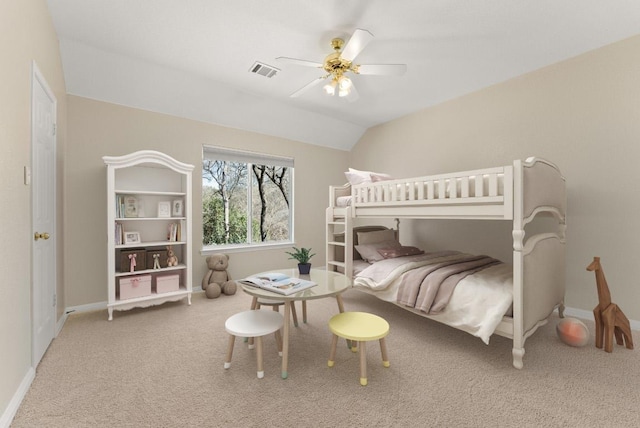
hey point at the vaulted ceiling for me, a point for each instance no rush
(193, 58)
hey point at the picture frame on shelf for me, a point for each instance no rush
(164, 209)
(132, 238)
(130, 206)
(177, 208)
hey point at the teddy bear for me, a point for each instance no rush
(172, 260)
(217, 280)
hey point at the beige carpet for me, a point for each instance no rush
(163, 367)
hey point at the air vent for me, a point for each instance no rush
(263, 69)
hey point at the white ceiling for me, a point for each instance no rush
(191, 58)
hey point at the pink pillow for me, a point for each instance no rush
(391, 253)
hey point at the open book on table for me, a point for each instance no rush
(278, 283)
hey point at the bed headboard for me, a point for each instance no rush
(356, 256)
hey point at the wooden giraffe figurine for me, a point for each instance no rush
(608, 316)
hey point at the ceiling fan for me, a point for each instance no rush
(340, 63)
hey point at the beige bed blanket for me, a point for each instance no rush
(429, 287)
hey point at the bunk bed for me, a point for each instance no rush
(518, 193)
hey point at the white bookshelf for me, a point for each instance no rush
(148, 178)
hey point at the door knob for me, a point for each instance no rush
(43, 235)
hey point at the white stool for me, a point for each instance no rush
(253, 324)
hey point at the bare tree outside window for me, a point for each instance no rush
(242, 207)
(270, 181)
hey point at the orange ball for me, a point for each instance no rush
(573, 332)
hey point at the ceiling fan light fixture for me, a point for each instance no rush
(344, 83)
(330, 88)
(340, 63)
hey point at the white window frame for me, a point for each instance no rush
(248, 157)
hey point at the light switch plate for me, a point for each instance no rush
(27, 175)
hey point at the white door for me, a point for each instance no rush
(43, 193)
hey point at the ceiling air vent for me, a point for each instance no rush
(263, 69)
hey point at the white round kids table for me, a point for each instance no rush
(329, 284)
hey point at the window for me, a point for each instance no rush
(247, 199)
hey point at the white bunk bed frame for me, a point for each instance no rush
(518, 192)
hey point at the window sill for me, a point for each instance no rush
(244, 248)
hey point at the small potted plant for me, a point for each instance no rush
(302, 255)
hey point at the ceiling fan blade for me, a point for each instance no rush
(308, 86)
(358, 41)
(302, 62)
(383, 69)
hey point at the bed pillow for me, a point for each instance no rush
(365, 238)
(393, 252)
(376, 176)
(370, 253)
(355, 176)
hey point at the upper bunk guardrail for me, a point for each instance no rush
(485, 186)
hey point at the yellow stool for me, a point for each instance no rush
(359, 327)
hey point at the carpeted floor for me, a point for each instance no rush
(163, 367)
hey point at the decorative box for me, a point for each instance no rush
(135, 286)
(126, 256)
(161, 256)
(167, 283)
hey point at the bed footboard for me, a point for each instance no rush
(538, 264)
(543, 190)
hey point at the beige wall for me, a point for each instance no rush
(97, 129)
(27, 35)
(584, 115)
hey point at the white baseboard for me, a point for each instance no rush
(568, 311)
(16, 400)
(86, 308)
(588, 315)
(61, 322)
(81, 308)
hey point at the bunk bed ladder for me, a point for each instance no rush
(339, 251)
